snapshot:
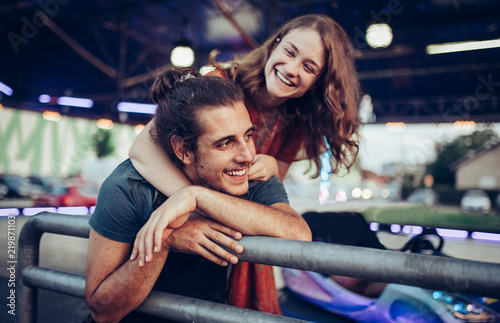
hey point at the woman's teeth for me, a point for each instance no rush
(283, 79)
(236, 173)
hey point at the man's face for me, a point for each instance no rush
(225, 150)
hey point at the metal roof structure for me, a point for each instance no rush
(109, 51)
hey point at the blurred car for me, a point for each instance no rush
(3, 191)
(426, 196)
(19, 186)
(497, 203)
(46, 182)
(74, 194)
(475, 201)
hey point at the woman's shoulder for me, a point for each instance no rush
(217, 72)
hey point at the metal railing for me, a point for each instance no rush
(440, 273)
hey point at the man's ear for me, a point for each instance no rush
(181, 151)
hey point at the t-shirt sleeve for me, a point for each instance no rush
(268, 193)
(122, 208)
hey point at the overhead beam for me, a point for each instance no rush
(79, 49)
(249, 41)
(144, 77)
(389, 73)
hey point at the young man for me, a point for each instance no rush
(203, 125)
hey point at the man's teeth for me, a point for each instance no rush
(283, 79)
(236, 173)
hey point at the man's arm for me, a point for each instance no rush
(207, 238)
(249, 218)
(116, 285)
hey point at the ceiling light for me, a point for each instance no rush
(182, 56)
(75, 102)
(44, 98)
(136, 107)
(462, 46)
(379, 35)
(5, 89)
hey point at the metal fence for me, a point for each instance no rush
(440, 273)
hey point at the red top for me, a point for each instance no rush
(252, 286)
(286, 137)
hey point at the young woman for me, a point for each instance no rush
(301, 90)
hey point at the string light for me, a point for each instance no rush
(51, 116)
(105, 124)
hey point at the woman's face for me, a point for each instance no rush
(295, 64)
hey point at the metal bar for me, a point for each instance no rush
(432, 272)
(441, 273)
(164, 305)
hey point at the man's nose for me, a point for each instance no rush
(246, 153)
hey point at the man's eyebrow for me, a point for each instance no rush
(219, 141)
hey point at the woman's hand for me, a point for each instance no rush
(263, 168)
(172, 214)
(206, 238)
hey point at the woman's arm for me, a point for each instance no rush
(154, 165)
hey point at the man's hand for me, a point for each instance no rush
(263, 168)
(172, 214)
(204, 237)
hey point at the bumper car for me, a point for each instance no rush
(392, 302)
(397, 303)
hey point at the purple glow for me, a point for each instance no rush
(73, 210)
(91, 209)
(374, 226)
(5, 89)
(44, 98)
(395, 228)
(9, 212)
(412, 229)
(75, 102)
(417, 229)
(450, 233)
(30, 211)
(136, 107)
(485, 236)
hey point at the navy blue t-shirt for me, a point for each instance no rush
(125, 202)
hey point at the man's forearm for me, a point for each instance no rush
(251, 218)
(125, 289)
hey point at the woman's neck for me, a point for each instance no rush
(267, 102)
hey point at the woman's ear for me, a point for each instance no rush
(181, 151)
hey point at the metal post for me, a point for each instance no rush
(29, 252)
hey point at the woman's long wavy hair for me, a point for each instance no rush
(331, 110)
